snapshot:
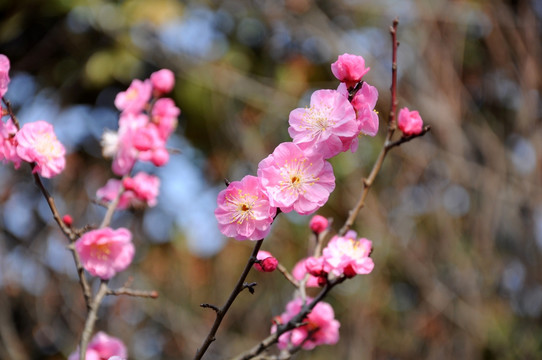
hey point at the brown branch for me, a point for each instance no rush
(239, 287)
(131, 292)
(287, 275)
(92, 316)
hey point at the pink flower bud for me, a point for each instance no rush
(318, 224)
(266, 262)
(163, 81)
(349, 271)
(160, 157)
(128, 183)
(349, 69)
(67, 219)
(410, 122)
(315, 266)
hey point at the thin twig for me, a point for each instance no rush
(131, 292)
(287, 275)
(92, 316)
(222, 311)
(112, 207)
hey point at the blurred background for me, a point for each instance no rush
(455, 217)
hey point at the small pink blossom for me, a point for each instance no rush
(164, 115)
(325, 125)
(410, 122)
(134, 99)
(267, 263)
(37, 143)
(348, 255)
(318, 224)
(349, 69)
(103, 346)
(8, 144)
(315, 266)
(300, 271)
(4, 74)
(163, 81)
(244, 211)
(104, 252)
(145, 187)
(109, 192)
(140, 190)
(296, 181)
(321, 326)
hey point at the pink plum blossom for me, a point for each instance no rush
(318, 224)
(410, 122)
(109, 192)
(134, 99)
(244, 211)
(103, 346)
(163, 81)
(37, 143)
(8, 144)
(300, 271)
(325, 125)
(104, 252)
(348, 255)
(296, 181)
(4, 74)
(164, 115)
(320, 327)
(144, 186)
(267, 263)
(364, 102)
(349, 69)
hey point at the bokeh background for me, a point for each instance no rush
(455, 216)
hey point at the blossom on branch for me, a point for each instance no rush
(410, 122)
(348, 255)
(318, 224)
(320, 326)
(102, 346)
(349, 69)
(300, 271)
(140, 190)
(294, 180)
(104, 252)
(4, 74)
(8, 145)
(244, 211)
(134, 99)
(322, 128)
(266, 262)
(37, 143)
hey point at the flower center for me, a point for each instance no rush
(295, 176)
(100, 251)
(242, 204)
(317, 120)
(46, 145)
(131, 94)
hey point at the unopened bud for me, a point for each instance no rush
(67, 219)
(160, 157)
(349, 271)
(265, 262)
(322, 281)
(128, 183)
(318, 224)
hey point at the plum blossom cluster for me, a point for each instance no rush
(297, 175)
(319, 327)
(35, 142)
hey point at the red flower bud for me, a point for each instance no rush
(318, 224)
(67, 219)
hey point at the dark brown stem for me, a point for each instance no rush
(224, 309)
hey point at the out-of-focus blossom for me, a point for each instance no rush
(109, 192)
(37, 143)
(322, 128)
(348, 255)
(164, 115)
(300, 271)
(410, 122)
(103, 346)
(349, 69)
(140, 190)
(134, 99)
(110, 143)
(267, 263)
(4, 74)
(8, 145)
(104, 252)
(244, 211)
(296, 181)
(320, 327)
(318, 224)
(163, 81)
(315, 266)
